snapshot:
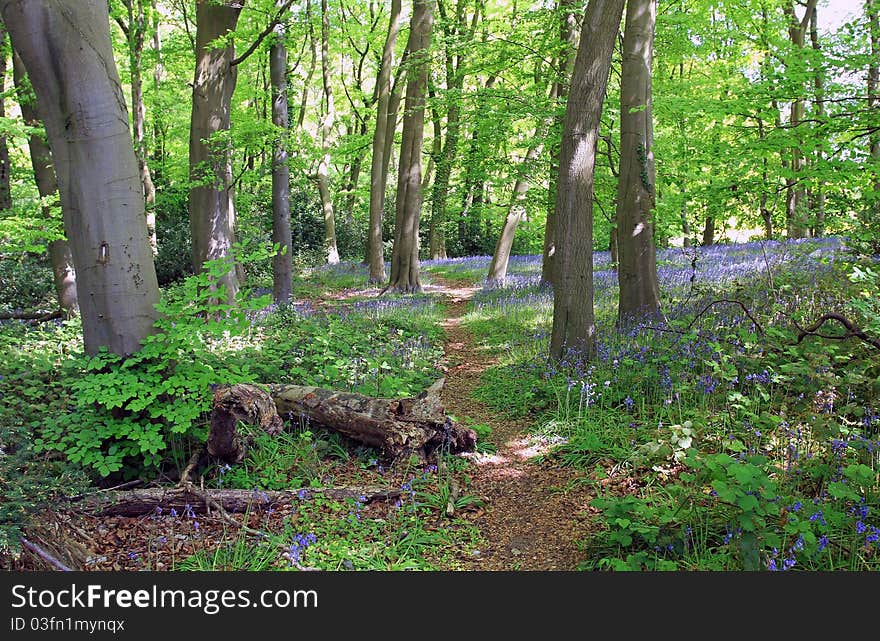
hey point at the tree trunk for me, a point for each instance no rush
(685, 224)
(797, 212)
(378, 165)
(158, 77)
(637, 256)
(872, 9)
(330, 248)
(613, 247)
(60, 257)
(516, 209)
(282, 262)
(66, 49)
(568, 34)
(457, 34)
(405, 254)
(573, 319)
(474, 179)
(137, 28)
(817, 194)
(709, 231)
(397, 427)
(5, 190)
(212, 218)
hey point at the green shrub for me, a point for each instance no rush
(129, 411)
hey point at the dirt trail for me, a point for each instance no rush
(535, 513)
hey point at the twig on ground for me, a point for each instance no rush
(48, 558)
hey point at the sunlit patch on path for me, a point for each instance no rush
(536, 512)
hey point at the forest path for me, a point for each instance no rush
(535, 512)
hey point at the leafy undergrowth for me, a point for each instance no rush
(75, 419)
(713, 442)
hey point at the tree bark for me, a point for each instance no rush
(817, 194)
(457, 34)
(323, 177)
(709, 231)
(211, 200)
(158, 77)
(474, 179)
(66, 50)
(137, 29)
(160, 501)
(282, 261)
(397, 427)
(637, 256)
(378, 164)
(405, 254)
(872, 9)
(568, 35)
(796, 206)
(63, 274)
(573, 317)
(5, 190)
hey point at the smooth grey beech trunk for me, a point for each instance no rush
(65, 46)
(378, 164)
(568, 34)
(573, 317)
(211, 212)
(405, 255)
(282, 262)
(636, 253)
(323, 177)
(516, 210)
(63, 274)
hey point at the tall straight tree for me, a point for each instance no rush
(135, 30)
(323, 175)
(405, 254)
(211, 204)
(63, 274)
(817, 193)
(573, 317)
(568, 35)
(5, 189)
(378, 164)
(796, 207)
(637, 256)
(282, 262)
(872, 11)
(65, 46)
(459, 36)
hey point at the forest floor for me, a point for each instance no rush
(536, 511)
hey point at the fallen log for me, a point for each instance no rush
(186, 501)
(396, 427)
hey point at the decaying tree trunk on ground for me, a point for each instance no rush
(188, 501)
(397, 427)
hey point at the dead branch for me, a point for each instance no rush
(851, 330)
(731, 302)
(190, 499)
(40, 552)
